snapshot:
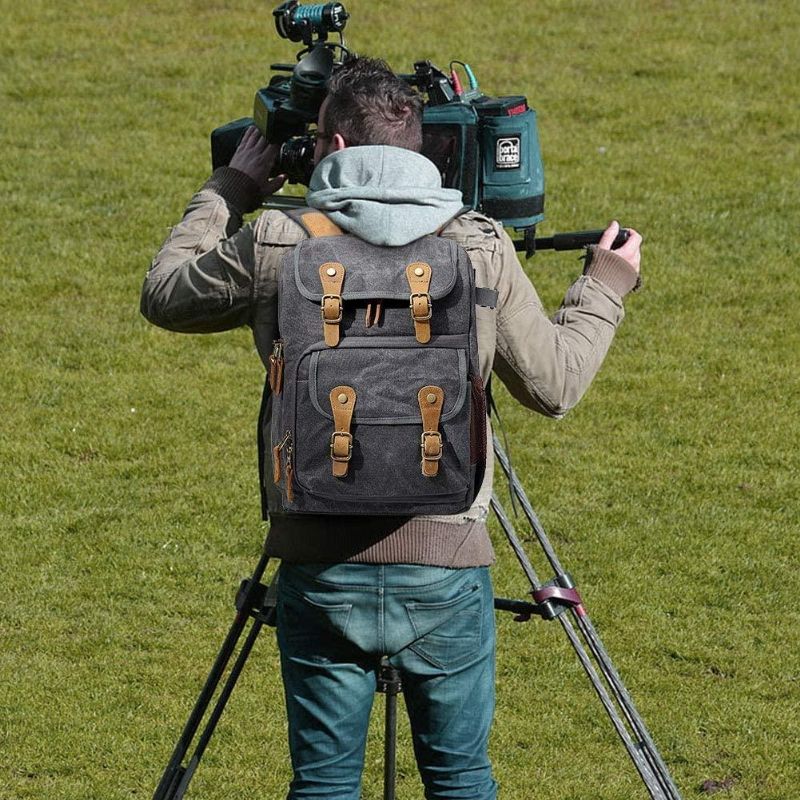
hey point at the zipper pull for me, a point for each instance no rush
(276, 367)
(276, 459)
(289, 473)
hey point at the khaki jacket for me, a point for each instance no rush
(213, 273)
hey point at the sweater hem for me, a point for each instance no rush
(379, 540)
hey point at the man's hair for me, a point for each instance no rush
(369, 104)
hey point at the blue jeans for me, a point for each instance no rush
(437, 627)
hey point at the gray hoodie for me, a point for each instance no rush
(385, 195)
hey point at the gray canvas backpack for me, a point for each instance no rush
(377, 402)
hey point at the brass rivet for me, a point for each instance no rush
(431, 398)
(419, 272)
(342, 398)
(331, 271)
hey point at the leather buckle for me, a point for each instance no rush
(431, 438)
(425, 315)
(348, 440)
(337, 299)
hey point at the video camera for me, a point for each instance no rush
(487, 147)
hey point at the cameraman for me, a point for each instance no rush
(353, 589)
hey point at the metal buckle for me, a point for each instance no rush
(349, 438)
(338, 299)
(426, 436)
(429, 304)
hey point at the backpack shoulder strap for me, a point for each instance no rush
(313, 222)
(485, 297)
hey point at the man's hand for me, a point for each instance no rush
(630, 251)
(256, 159)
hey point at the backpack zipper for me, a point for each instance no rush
(289, 470)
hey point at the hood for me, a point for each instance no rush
(384, 195)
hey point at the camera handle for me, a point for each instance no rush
(574, 240)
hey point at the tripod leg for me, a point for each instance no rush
(219, 707)
(584, 624)
(389, 683)
(390, 748)
(642, 752)
(176, 777)
(648, 747)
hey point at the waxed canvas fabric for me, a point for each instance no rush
(386, 366)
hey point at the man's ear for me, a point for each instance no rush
(338, 142)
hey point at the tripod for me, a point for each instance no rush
(558, 599)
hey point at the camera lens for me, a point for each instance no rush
(296, 159)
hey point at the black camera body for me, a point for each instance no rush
(487, 147)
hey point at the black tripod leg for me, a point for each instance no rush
(174, 778)
(591, 672)
(648, 747)
(389, 683)
(634, 749)
(219, 707)
(390, 748)
(642, 752)
(584, 624)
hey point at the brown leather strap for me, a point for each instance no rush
(431, 400)
(317, 224)
(276, 464)
(343, 401)
(276, 365)
(289, 478)
(273, 373)
(372, 316)
(419, 281)
(331, 274)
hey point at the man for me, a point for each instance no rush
(353, 589)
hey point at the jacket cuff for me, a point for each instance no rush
(612, 270)
(236, 188)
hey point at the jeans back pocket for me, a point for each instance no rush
(449, 633)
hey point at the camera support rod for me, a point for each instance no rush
(573, 240)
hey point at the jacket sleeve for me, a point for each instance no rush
(203, 278)
(548, 364)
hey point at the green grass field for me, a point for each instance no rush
(128, 491)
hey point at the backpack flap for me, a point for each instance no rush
(371, 272)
